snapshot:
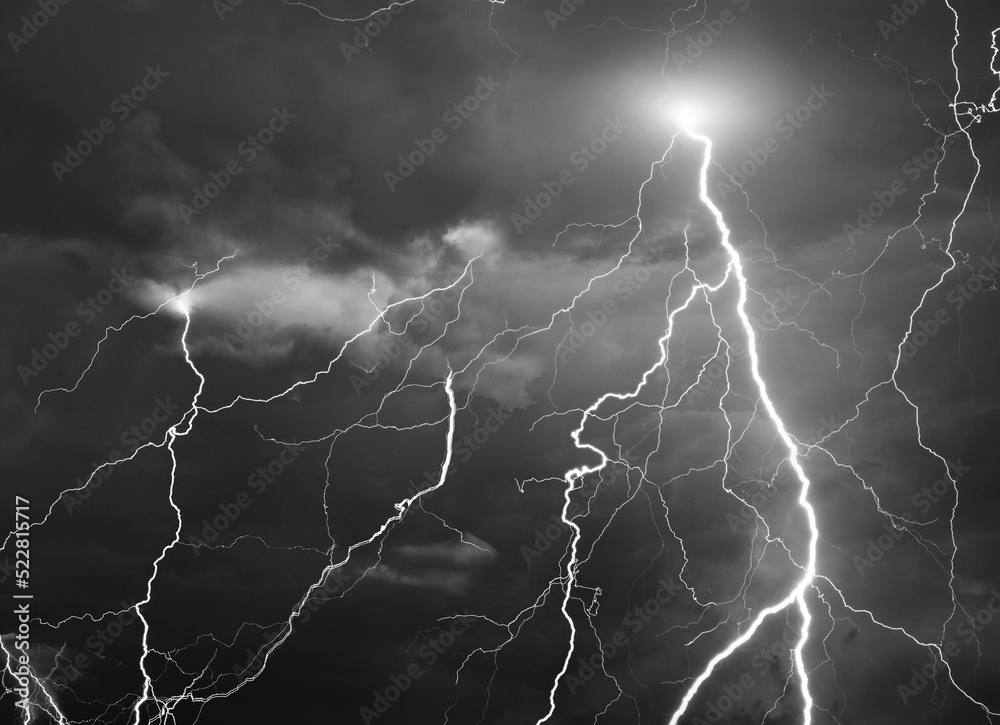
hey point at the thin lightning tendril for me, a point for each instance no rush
(150, 706)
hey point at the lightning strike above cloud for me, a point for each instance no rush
(658, 392)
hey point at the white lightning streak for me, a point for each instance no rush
(797, 595)
(966, 114)
(173, 434)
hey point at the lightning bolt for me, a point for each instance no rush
(149, 705)
(574, 476)
(176, 431)
(39, 700)
(966, 114)
(797, 594)
(164, 705)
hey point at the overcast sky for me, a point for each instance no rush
(289, 259)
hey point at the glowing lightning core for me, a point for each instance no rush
(686, 116)
(797, 595)
(149, 705)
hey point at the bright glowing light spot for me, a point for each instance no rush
(687, 115)
(181, 305)
(689, 111)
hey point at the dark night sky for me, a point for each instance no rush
(341, 307)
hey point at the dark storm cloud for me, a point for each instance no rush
(500, 153)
